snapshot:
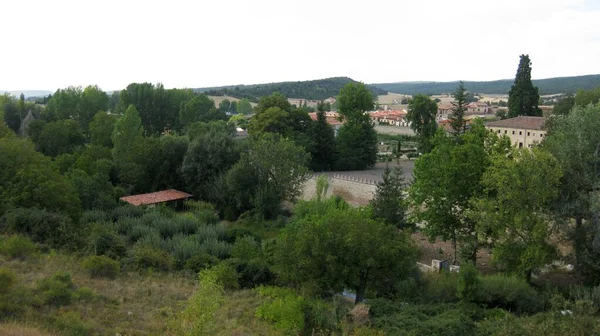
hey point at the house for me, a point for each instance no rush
(333, 119)
(390, 117)
(523, 131)
(472, 109)
(154, 198)
(444, 111)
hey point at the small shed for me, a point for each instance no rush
(164, 196)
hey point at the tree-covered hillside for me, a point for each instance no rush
(546, 86)
(313, 90)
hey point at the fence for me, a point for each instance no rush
(349, 178)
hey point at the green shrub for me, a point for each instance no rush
(508, 292)
(17, 247)
(200, 261)
(440, 287)
(101, 267)
(232, 234)
(7, 279)
(185, 225)
(166, 227)
(396, 318)
(153, 240)
(43, 227)
(103, 240)
(56, 290)
(207, 217)
(71, 324)
(207, 232)
(84, 294)
(147, 257)
(218, 248)
(183, 247)
(284, 309)
(126, 224)
(227, 276)
(94, 216)
(126, 211)
(467, 283)
(141, 230)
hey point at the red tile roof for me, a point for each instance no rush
(155, 197)
(523, 122)
(332, 118)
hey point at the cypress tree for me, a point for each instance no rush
(459, 107)
(388, 204)
(322, 143)
(523, 97)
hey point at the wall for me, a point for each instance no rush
(354, 190)
(520, 135)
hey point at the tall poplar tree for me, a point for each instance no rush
(523, 97)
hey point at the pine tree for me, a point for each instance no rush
(323, 143)
(459, 107)
(523, 97)
(388, 203)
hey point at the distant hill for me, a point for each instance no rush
(28, 93)
(546, 86)
(313, 90)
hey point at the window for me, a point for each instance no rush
(520, 145)
(541, 135)
(513, 132)
(498, 131)
(504, 131)
(520, 133)
(527, 133)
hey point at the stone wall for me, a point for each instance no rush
(356, 191)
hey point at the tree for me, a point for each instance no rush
(322, 148)
(328, 253)
(388, 204)
(357, 140)
(60, 137)
(101, 129)
(208, 158)
(200, 128)
(27, 180)
(274, 100)
(93, 100)
(421, 115)
(166, 172)
(201, 108)
(272, 120)
(278, 169)
(459, 107)
(573, 140)
(356, 145)
(523, 97)
(564, 105)
(64, 104)
(244, 107)
(127, 138)
(11, 114)
(224, 105)
(583, 97)
(445, 182)
(518, 220)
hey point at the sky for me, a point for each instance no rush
(55, 44)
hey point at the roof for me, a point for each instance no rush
(522, 122)
(331, 117)
(155, 197)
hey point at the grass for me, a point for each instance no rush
(14, 329)
(132, 304)
(236, 315)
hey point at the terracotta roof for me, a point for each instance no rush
(332, 118)
(523, 122)
(155, 197)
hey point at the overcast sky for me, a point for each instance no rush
(54, 44)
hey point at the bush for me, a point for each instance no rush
(590, 295)
(285, 309)
(200, 261)
(57, 290)
(183, 247)
(101, 267)
(71, 324)
(93, 216)
(227, 276)
(7, 279)
(126, 224)
(147, 257)
(440, 287)
(104, 241)
(467, 283)
(207, 217)
(232, 234)
(141, 230)
(17, 247)
(42, 227)
(510, 293)
(185, 225)
(218, 248)
(126, 211)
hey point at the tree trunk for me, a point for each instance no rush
(474, 251)
(579, 238)
(362, 286)
(455, 250)
(528, 276)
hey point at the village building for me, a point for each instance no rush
(390, 117)
(333, 119)
(523, 131)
